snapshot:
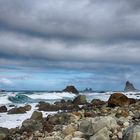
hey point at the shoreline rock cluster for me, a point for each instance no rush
(116, 119)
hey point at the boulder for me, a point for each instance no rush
(80, 100)
(57, 106)
(3, 109)
(60, 118)
(102, 122)
(28, 107)
(37, 115)
(103, 134)
(118, 99)
(4, 133)
(97, 102)
(132, 133)
(86, 127)
(129, 87)
(16, 110)
(70, 129)
(71, 89)
(31, 125)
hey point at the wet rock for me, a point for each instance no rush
(19, 110)
(31, 125)
(129, 87)
(97, 102)
(118, 99)
(86, 127)
(3, 109)
(103, 134)
(4, 132)
(80, 100)
(132, 133)
(71, 89)
(56, 107)
(28, 107)
(37, 115)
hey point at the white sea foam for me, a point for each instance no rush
(15, 120)
(51, 96)
(12, 121)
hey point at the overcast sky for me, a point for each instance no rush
(48, 44)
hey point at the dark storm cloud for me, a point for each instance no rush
(76, 34)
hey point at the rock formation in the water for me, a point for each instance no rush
(71, 89)
(129, 87)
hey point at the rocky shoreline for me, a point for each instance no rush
(116, 119)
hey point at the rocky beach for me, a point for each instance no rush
(77, 119)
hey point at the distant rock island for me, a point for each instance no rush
(71, 89)
(129, 87)
(88, 90)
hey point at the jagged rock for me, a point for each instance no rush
(81, 99)
(3, 109)
(118, 99)
(129, 87)
(71, 89)
(37, 115)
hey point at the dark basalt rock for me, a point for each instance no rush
(129, 87)
(19, 110)
(3, 109)
(71, 89)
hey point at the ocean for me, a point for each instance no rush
(32, 98)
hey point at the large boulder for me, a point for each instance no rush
(4, 133)
(37, 115)
(42, 106)
(97, 102)
(101, 122)
(3, 109)
(80, 99)
(19, 110)
(86, 127)
(103, 134)
(71, 89)
(61, 118)
(118, 99)
(132, 133)
(129, 87)
(31, 125)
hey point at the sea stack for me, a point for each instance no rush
(71, 89)
(129, 87)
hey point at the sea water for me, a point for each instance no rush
(32, 98)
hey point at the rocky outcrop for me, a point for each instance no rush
(42, 106)
(118, 99)
(19, 110)
(71, 89)
(3, 109)
(129, 87)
